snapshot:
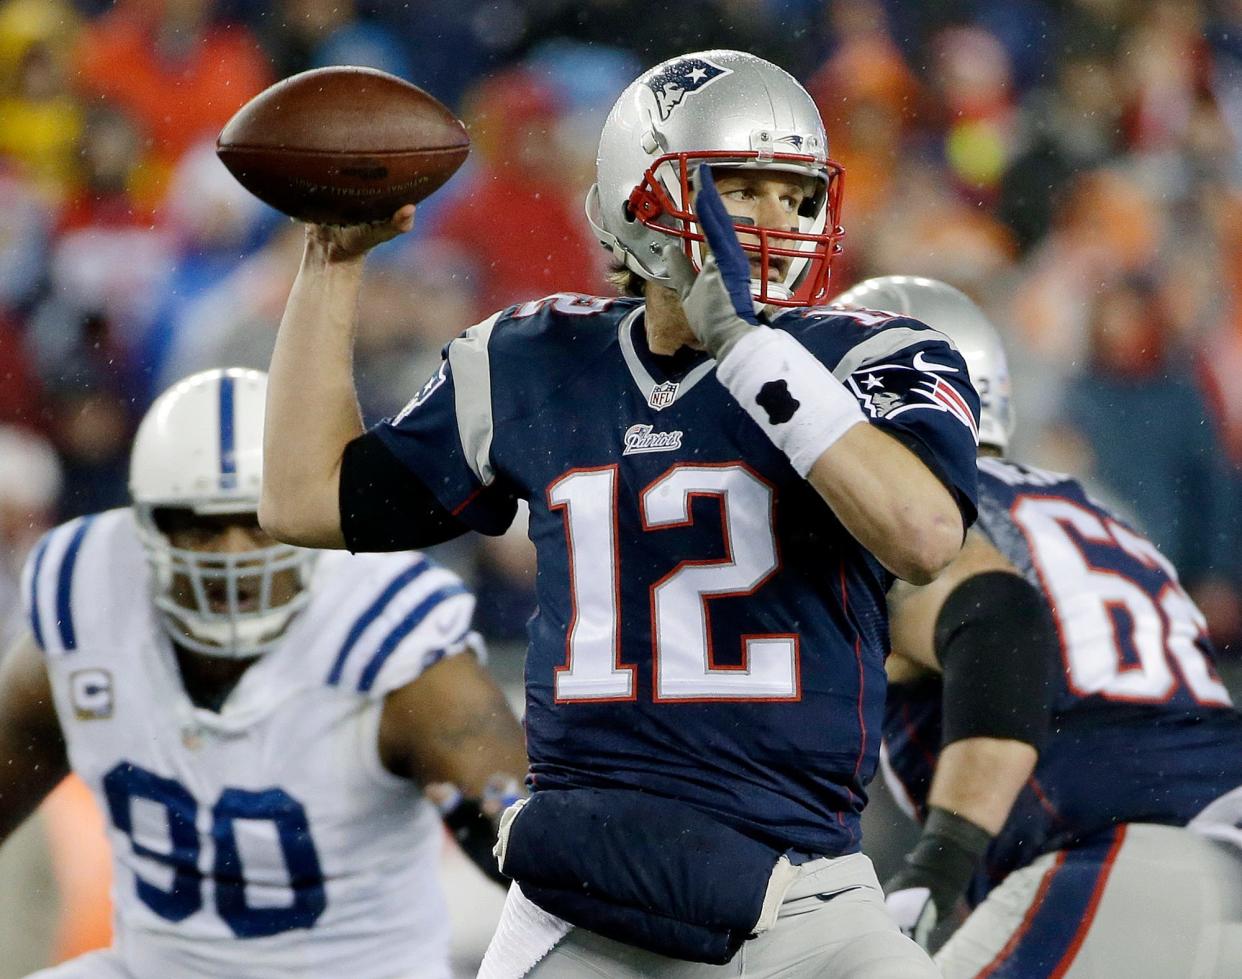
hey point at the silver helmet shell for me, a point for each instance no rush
(720, 108)
(954, 314)
(200, 447)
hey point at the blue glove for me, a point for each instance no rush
(717, 301)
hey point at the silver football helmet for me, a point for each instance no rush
(200, 448)
(954, 314)
(725, 109)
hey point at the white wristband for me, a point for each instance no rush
(790, 395)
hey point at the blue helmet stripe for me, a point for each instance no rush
(35, 619)
(228, 454)
(373, 612)
(64, 587)
(403, 629)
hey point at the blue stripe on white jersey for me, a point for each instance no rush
(373, 612)
(35, 619)
(228, 454)
(407, 625)
(51, 586)
(64, 587)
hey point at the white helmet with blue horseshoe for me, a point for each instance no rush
(199, 448)
(723, 109)
(954, 314)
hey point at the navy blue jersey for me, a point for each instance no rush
(1143, 729)
(706, 629)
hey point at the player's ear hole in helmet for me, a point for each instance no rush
(221, 586)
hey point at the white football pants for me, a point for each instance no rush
(1142, 902)
(832, 924)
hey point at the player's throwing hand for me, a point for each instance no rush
(347, 242)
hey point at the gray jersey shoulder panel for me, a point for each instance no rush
(470, 363)
(881, 345)
(996, 521)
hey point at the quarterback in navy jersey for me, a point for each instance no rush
(1116, 852)
(724, 479)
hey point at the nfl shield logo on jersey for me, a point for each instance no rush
(662, 395)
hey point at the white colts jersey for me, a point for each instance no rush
(266, 840)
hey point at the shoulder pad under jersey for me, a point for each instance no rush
(83, 580)
(377, 621)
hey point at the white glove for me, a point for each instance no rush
(914, 911)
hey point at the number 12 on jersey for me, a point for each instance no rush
(682, 655)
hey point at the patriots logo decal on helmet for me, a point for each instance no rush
(681, 78)
(793, 140)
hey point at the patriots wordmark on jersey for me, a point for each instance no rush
(1143, 729)
(267, 839)
(706, 629)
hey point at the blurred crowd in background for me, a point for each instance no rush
(1071, 164)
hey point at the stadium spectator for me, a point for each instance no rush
(40, 118)
(20, 390)
(1143, 415)
(214, 223)
(291, 31)
(519, 214)
(171, 66)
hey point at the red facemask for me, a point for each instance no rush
(654, 208)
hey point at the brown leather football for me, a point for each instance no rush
(342, 145)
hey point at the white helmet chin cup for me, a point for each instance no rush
(723, 109)
(200, 447)
(954, 314)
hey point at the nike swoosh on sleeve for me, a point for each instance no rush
(922, 363)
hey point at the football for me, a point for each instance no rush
(342, 145)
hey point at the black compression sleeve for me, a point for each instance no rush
(998, 649)
(384, 507)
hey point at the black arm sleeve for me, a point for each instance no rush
(998, 648)
(384, 507)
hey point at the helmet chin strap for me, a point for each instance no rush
(776, 289)
(225, 640)
(230, 633)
